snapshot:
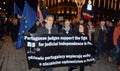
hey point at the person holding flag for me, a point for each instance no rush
(39, 22)
(27, 22)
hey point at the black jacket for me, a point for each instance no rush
(64, 32)
(44, 30)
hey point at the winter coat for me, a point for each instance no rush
(96, 37)
(44, 30)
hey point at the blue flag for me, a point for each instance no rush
(28, 20)
(17, 10)
(45, 12)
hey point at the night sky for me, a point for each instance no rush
(9, 6)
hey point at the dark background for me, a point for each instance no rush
(9, 6)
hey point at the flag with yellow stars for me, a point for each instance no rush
(27, 21)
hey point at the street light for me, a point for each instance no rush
(4, 9)
(46, 7)
(89, 7)
(4, 3)
(0, 8)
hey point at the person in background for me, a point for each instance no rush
(100, 38)
(109, 41)
(67, 27)
(34, 28)
(49, 28)
(1, 28)
(8, 26)
(77, 24)
(81, 31)
(14, 30)
(91, 31)
(59, 24)
(67, 30)
(116, 41)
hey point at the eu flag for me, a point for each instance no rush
(28, 20)
(17, 10)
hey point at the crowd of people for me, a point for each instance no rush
(103, 34)
(9, 27)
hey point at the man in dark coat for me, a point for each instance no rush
(49, 28)
(100, 37)
(67, 29)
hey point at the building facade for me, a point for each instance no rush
(69, 8)
(63, 8)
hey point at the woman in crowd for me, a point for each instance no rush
(81, 31)
(83, 23)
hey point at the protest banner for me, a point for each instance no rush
(58, 50)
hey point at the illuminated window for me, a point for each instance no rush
(108, 4)
(58, 12)
(44, 2)
(54, 1)
(51, 2)
(119, 4)
(59, 1)
(99, 2)
(75, 12)
(62, 11)
(72, 12)
(48, 2)
(93, 2)
(112, 4)
(68, 12)
(67, 0)
(73, 0)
